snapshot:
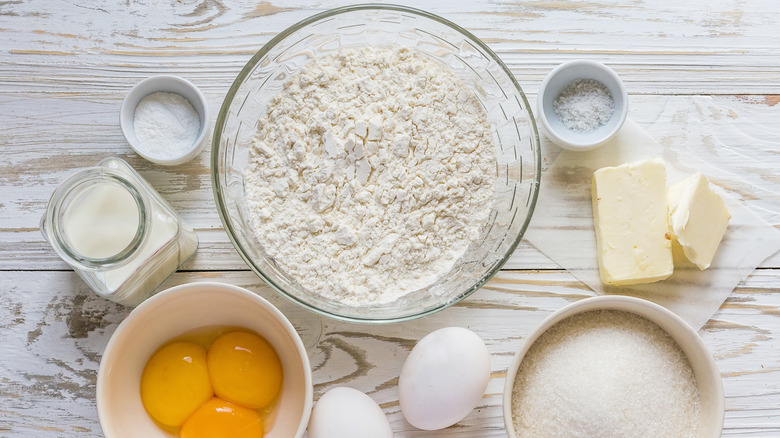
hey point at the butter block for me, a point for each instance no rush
(630, 217)
(698, 218)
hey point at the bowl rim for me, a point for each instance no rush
(222, 117)
(622, 303)
(162, 82)
(581, 145)
(183, 289)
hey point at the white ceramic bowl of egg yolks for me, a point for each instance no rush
(182, 309)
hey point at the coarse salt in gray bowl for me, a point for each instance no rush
(552, 86)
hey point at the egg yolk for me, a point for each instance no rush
(175, 382)
(244, 369)
(220, 419)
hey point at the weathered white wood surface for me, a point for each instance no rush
(703, 78)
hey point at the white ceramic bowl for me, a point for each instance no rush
(551, 88)
(705, 371)
(181, 309)
(170, 84)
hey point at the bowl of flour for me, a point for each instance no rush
(375, 163)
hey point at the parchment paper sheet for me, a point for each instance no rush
(562, 228)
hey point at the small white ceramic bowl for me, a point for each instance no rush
(179, 310)
(702, 363)
(170, 84)
(551, 88)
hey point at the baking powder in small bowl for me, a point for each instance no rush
(164, 118)
(165, 125)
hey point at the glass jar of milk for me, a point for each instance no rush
(116, 231)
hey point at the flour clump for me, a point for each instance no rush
(371, 173)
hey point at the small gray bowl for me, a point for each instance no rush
(551, 88)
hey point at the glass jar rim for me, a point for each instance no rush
(70, 188)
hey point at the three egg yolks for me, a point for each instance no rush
(180, 380)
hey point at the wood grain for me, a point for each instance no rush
(741, 156)
(55, 337)
(703, 79)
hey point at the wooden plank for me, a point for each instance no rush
(722, 46)
(55, 330)
(735, 136)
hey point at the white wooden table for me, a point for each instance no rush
(702, 76)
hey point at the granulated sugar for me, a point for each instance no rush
(584, 105)
(605, 374)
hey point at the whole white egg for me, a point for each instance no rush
(348, 413)
(444, 378)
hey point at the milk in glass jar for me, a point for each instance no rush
(116, 231)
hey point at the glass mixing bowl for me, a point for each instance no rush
(516, 145)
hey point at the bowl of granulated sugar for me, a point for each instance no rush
(582, 104)
(613, 366)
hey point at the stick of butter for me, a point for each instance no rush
(633, 239)
(698, 218)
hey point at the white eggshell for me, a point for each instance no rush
(444, 378)
(348, 413)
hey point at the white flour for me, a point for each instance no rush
(166, 125)
(371, 174)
